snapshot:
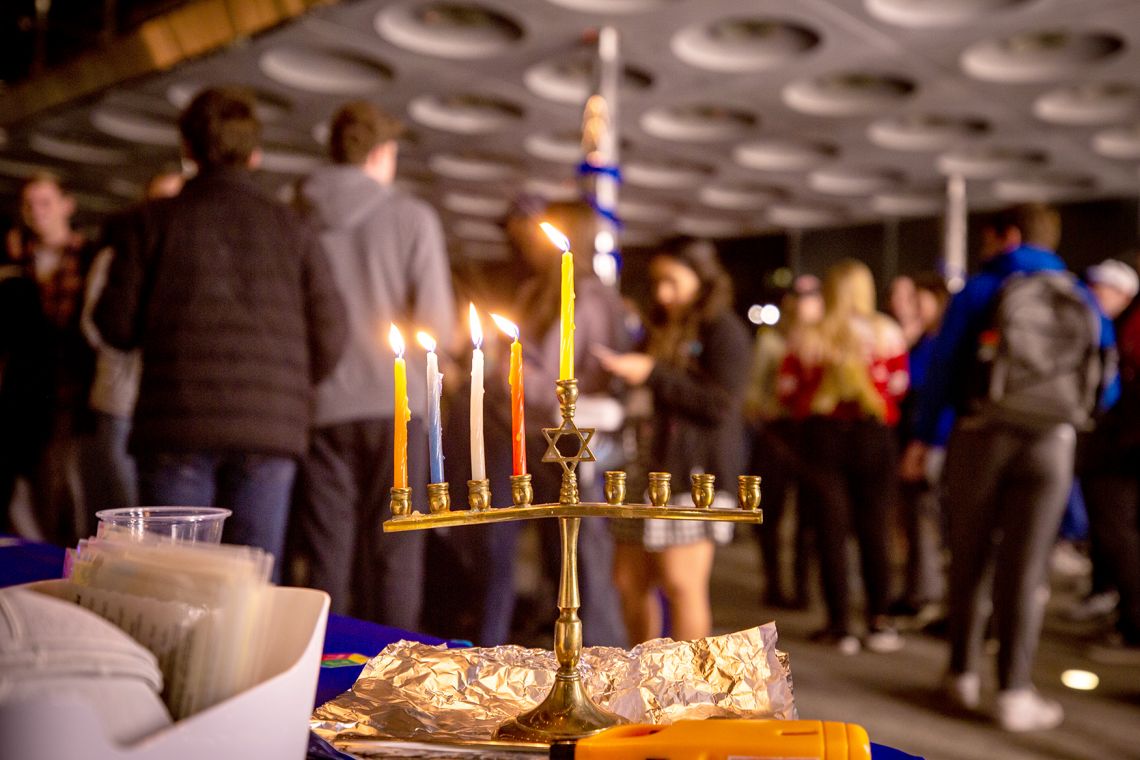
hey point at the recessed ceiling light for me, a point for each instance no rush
(666, 174)
(611, 6)
(931, 13)
(743, 43)
(804, 215)
(559, 147)
(848, 93)
(784, 154)
(1119, 142)
(1081, 680)
(571, 79)
(989, 162)
(740, 196)
(710, 226)
(285, 161)
(464, 113)
(1093, 103)
(924, 132)
(699, 122)
(1046, 188)
(23, 169)
(488, 207)
(853, 180)
(473, 166)
(324, 71)
(1039, 55)
(268, 106)
(135, 126)
(83, 152)
(902, 203)
(645, 211)
(552, 190)
(448, 29)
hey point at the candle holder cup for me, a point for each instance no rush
(439, 497)
(660, 488)
(748, 492)
(522, 490)
(479, 494)
(704, 490)
(615, 487)
(401, 502)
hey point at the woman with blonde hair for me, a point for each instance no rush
(844, 377)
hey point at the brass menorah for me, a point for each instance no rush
(567, 712)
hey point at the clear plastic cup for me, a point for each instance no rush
(189, 524)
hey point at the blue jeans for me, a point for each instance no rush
(256, 487)
(107, 469)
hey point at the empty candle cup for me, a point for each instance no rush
(660, 488)
(704, 490)
(187, 524)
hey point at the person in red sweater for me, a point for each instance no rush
(844, 378)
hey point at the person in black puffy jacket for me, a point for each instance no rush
(235, 309)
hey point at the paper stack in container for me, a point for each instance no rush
(198, 607)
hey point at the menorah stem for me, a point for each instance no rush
(568, 627)
(567, 712)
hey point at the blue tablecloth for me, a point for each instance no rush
(348, 642)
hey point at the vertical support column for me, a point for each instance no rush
(954, 230)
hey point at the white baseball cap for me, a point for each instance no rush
(1115, 274)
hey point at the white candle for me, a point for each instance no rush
(478, 455)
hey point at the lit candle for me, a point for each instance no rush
(478, 456)
(434, 391)
(400, 464)
(518, 436)
(566, 324)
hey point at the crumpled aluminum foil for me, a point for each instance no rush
(418, 692)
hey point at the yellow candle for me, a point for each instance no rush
(403, 414)
(566, 323)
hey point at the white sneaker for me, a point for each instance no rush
(1093, 606)
(848, 645)
(964, 689)
(1020, 710)
(884, 640)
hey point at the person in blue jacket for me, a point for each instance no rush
(1005, 486)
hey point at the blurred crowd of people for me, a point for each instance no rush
(216, 347)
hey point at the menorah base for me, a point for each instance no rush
(566, 713)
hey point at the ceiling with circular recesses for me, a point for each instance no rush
(748, 43)
(450, 30)
(734, 117)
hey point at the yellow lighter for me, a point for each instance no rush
(723, 740)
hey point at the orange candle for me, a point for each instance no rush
(515, 377)
(403, 414)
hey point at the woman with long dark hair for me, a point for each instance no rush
(695, 363)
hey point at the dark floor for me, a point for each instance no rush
(895, 696)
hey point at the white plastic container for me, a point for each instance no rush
(270, 720)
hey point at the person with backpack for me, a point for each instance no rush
(1018, 358)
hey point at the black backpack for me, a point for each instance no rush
(1039, 362)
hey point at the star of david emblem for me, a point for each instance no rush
(568, 430)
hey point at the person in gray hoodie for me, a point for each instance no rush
(387, 254)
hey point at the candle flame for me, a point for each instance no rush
(476, 327)
(426, 340)
(506, 325)
(396, 340)
(556, 236)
